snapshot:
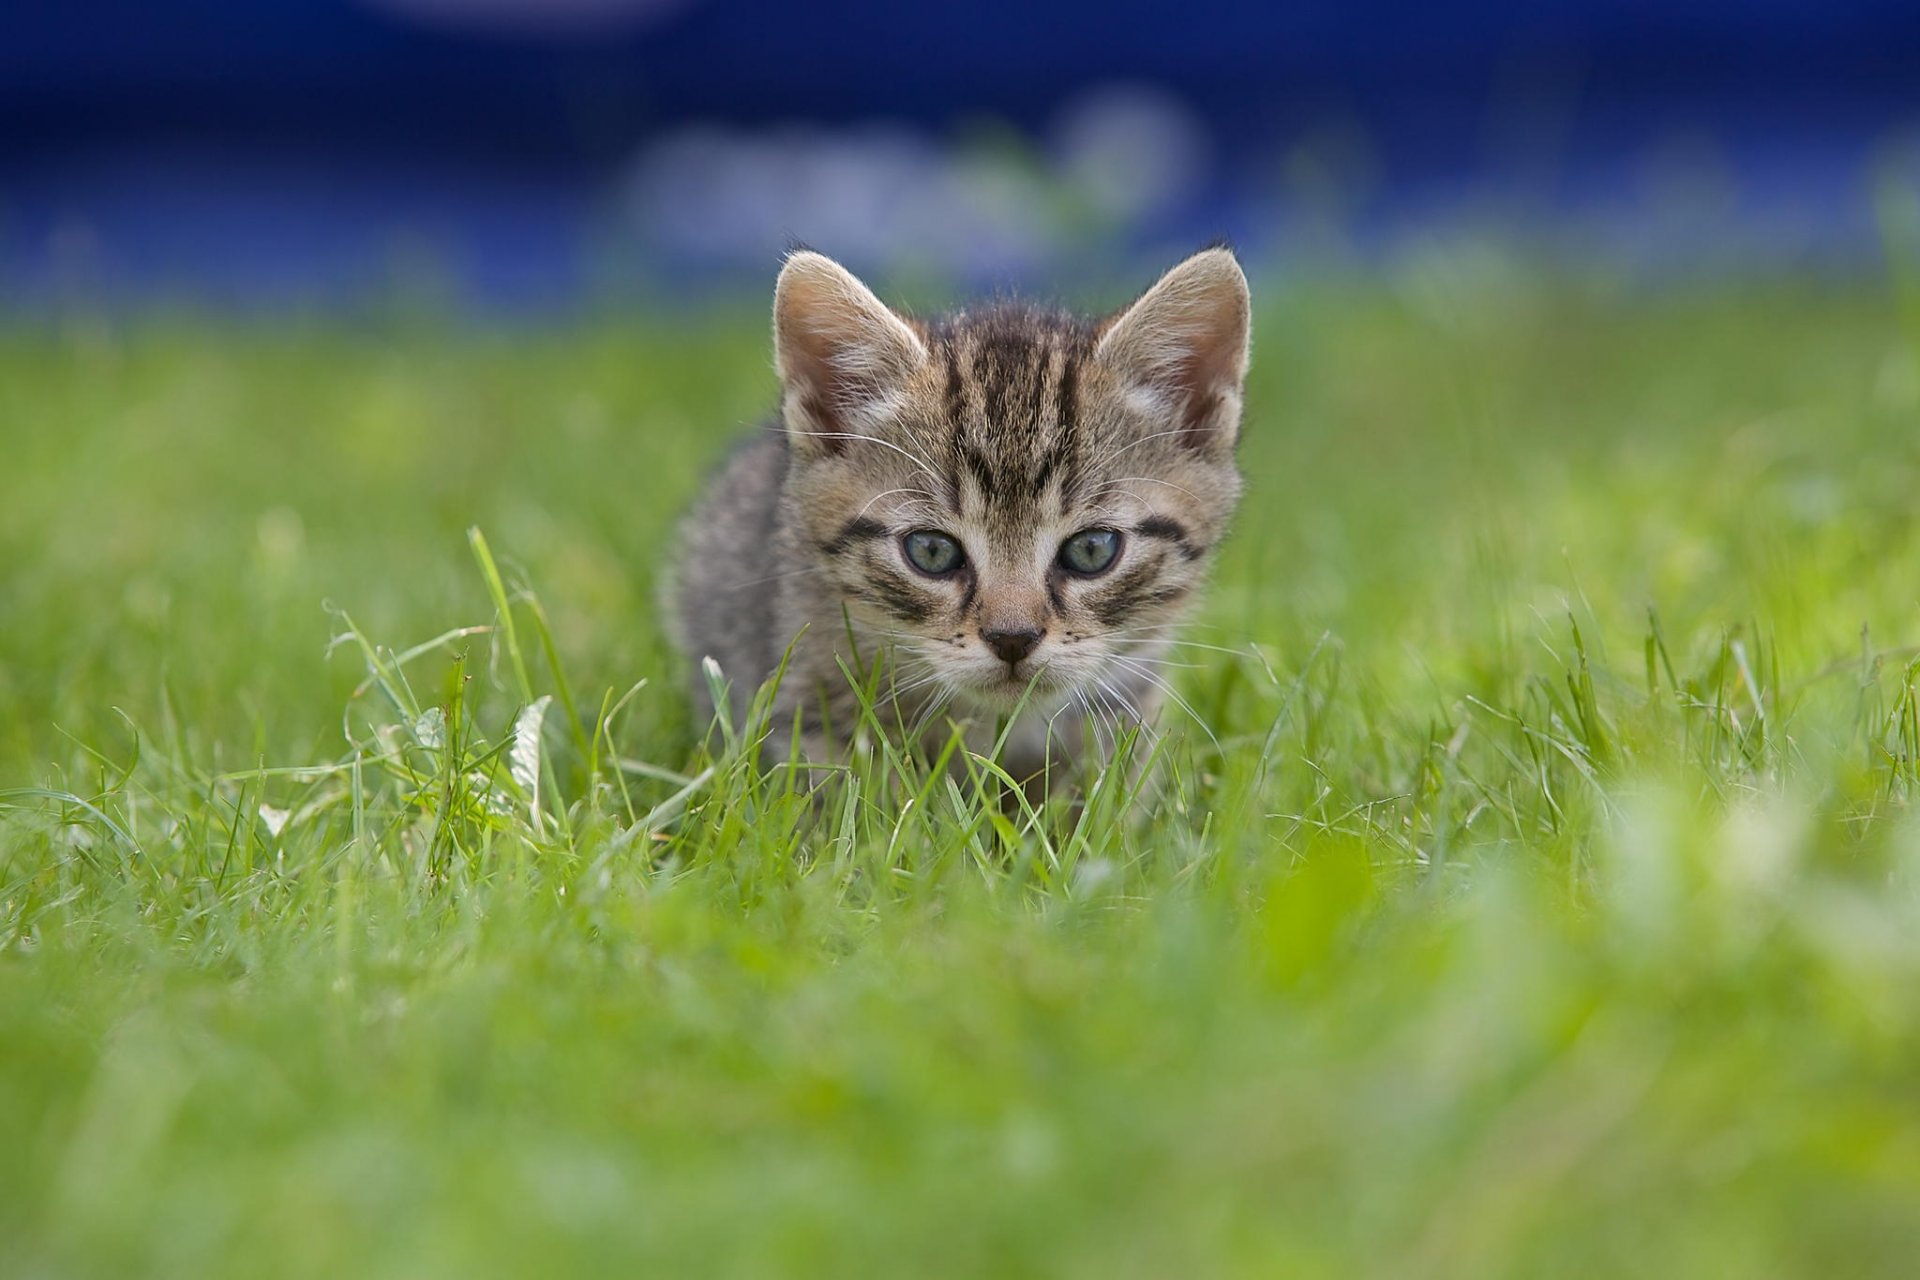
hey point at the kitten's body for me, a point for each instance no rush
(1008, 432)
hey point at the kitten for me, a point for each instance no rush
(1005, 509)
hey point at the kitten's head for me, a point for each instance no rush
(1014, 498)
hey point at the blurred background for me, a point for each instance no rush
(537, 155)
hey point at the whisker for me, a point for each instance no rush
(1141, 670)
(918, 683)
(919, 463)
(1121, 707)
(1097, 724)
(1181, 624)
(888, 493)
(1115, 453)
(1113, 486)
(1249, 652)
(933, 708)
(1159, 661)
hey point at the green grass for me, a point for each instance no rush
(1543, 902)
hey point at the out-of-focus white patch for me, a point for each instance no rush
(731, 195)
(276, 819)
(1641, 864)
(1134, 151)
(280, 539)
(1115, 159)
(523, 760)
(430, 729)
(1092, 875)
(1760, 844)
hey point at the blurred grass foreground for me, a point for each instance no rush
(1539, 899)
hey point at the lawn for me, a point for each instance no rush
(1534, 888)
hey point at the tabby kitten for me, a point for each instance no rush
(1001, 511)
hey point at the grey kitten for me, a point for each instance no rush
(1002, 510)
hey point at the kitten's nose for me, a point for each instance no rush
(1011, 646)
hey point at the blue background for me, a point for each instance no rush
(311, 149)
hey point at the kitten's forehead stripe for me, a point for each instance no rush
(979, 465)
(956, 385)
(1015, 430)
(1066, 438)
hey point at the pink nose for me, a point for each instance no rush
(1011, 646)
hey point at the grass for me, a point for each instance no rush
(1541, 899)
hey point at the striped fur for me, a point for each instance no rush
(1009, 428)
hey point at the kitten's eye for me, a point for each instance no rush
(1090, 552)
(932, 553)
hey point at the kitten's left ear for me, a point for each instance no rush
(1184, 344)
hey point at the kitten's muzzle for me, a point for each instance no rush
(1011, 646)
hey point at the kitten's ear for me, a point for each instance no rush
(842, 355)
(1184, 345)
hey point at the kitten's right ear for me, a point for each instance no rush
(1183, 344)
(842, 354)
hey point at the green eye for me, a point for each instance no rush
(934, 554)
(1090, 552)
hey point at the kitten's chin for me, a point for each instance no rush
(1001, 692)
